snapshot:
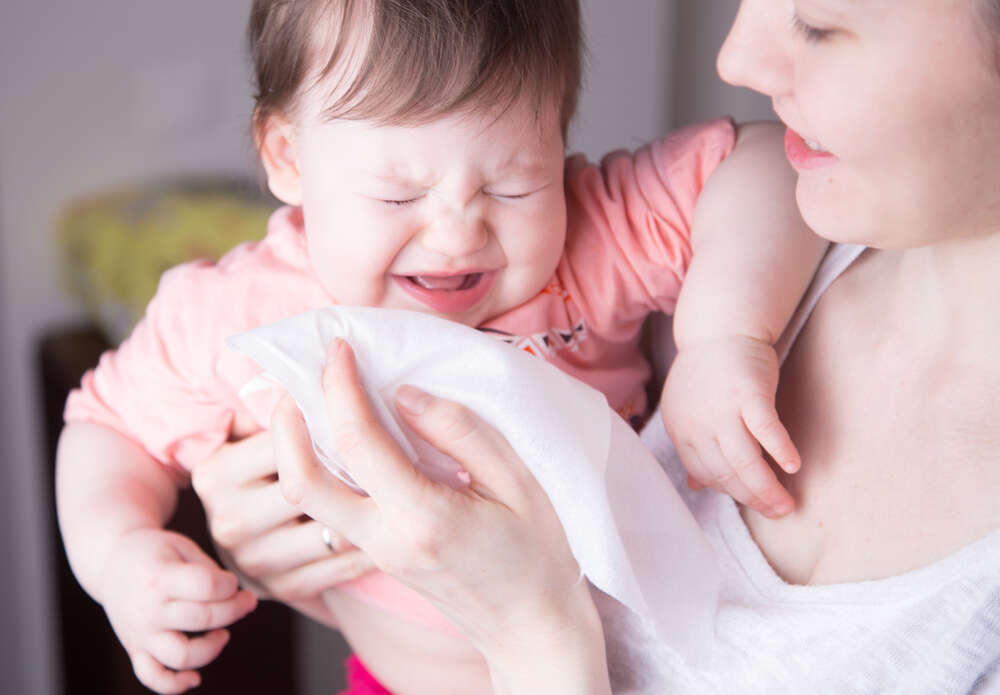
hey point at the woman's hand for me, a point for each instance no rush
(282, 553)
(491, 555)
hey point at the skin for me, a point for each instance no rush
(100, 469)
(463, 193)
(154, 585)
(903, 330)
(308, 155)
(437, 541)
(889, 392)
(916, 155)
(470, 193)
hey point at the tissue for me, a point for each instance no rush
(632, 535)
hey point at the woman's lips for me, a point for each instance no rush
(802, 156)
(448, 294)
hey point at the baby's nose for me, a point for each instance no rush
(456, 233)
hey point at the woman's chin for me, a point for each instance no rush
(838, 222)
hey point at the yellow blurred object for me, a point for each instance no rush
(116, 246)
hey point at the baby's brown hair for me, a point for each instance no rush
(415, 60)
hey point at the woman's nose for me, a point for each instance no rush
(754, 54)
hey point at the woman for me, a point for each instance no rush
(885, 578)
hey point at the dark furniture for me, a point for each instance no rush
(260, 657)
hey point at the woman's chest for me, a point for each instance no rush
(901, 456)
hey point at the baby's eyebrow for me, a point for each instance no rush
(836, 8)
(516, 166)
(393, 177)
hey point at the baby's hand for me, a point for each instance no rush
(718, 408)
(159, 585)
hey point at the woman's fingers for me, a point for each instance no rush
(495, 469)
(238, 477)
(369, 452)
(232, 525)
(235, 465)
(286, 548)
(309, 580)
(306, 484)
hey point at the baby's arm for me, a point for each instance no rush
(113, 500)
(752, 259)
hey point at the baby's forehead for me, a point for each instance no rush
(362, 64)
(514, 141)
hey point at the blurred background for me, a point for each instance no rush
(139, 110)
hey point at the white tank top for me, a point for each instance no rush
(932, 631)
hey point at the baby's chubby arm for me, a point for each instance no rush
(113, 500)
(752, 259)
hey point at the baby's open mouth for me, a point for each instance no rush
(447, 283)
(449, 293)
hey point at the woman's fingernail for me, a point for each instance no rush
(334, 347)
(781, 508)
(412, 399)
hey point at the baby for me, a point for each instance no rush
(420, 150)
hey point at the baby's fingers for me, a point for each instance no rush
(198, 616)
(179, 652)
(751, 480)
(196, 582)
(698, 475)
(725, 477)
(157, 677)
(761, 418)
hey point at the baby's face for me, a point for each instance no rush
(464, 217)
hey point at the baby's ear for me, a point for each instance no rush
(279, 155)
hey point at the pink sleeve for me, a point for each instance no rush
(629, 241)
(157, 388)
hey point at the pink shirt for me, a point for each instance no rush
(172, 385)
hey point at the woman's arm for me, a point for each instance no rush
(492, 556)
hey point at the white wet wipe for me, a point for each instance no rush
(632, 535)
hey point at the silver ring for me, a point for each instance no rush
(327, 538)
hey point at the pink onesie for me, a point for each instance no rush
(173, 385)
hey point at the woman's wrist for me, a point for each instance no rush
(561, 650)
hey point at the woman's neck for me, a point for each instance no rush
(951, 288)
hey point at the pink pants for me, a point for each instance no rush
(359, 681)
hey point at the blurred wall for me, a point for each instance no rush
(697, 92)
(104, 93)
(94, 94)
